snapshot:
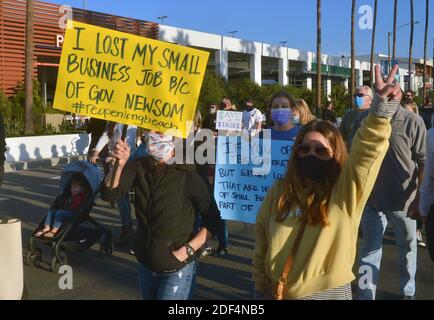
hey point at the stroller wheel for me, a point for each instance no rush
(34, 259)
(56, 263)
(106, 249)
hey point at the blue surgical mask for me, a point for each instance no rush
(281, 116)
(295, 120)
(359, 102)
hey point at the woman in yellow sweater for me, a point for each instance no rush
(306, 229)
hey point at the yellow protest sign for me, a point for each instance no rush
(129, 79)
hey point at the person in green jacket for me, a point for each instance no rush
(320, 201)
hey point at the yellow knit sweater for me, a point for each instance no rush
(326, 255)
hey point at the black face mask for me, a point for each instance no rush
(314, 168)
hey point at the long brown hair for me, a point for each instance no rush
(313, 203)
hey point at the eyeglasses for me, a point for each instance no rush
(304, 149)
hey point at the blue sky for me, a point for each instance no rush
(272, 21)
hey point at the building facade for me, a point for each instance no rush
(230, 57)
(48, 37)
(412, 80)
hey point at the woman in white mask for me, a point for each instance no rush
(167, 198)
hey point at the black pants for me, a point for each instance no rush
(2, 172)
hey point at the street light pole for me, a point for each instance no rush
(162, 18)
(233, 33)
(388, 52)
(389, 34)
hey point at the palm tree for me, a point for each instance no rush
(374, 29)
(29, 126)
(353, 52)
(395, 20)
(425, 46)
(318, 56)
(410, 53)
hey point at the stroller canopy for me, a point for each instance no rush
(90, 171)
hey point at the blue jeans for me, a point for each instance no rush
(222, 236)
(55, 218)
(124, 208)
(168, 286)
(374, 225)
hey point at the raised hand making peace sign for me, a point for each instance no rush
(388, 88)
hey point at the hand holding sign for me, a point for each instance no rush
(229, 120)
(121, 152)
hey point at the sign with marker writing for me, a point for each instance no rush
(239, 193)
(229, 120)
(129, 79)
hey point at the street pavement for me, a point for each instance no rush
(27, 195)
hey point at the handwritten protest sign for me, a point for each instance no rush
(229, 120)
(238, 192)
(129, 79)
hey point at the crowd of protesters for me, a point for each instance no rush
(371, 168)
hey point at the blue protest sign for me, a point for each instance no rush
(239, 191)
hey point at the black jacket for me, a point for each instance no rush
(2, 141)
(210, 122)
(166, 201)
(329, 115)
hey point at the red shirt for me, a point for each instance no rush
(77, 200)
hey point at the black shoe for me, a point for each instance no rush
(125, 237)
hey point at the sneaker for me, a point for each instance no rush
(220, 252)
(419, 238)
(206, 250)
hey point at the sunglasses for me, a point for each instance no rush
(304, 149)
(360, 95)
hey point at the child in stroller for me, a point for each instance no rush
(69, 225)
(63, 209)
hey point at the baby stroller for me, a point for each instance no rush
(82, 231)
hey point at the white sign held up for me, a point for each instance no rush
(229, 120)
